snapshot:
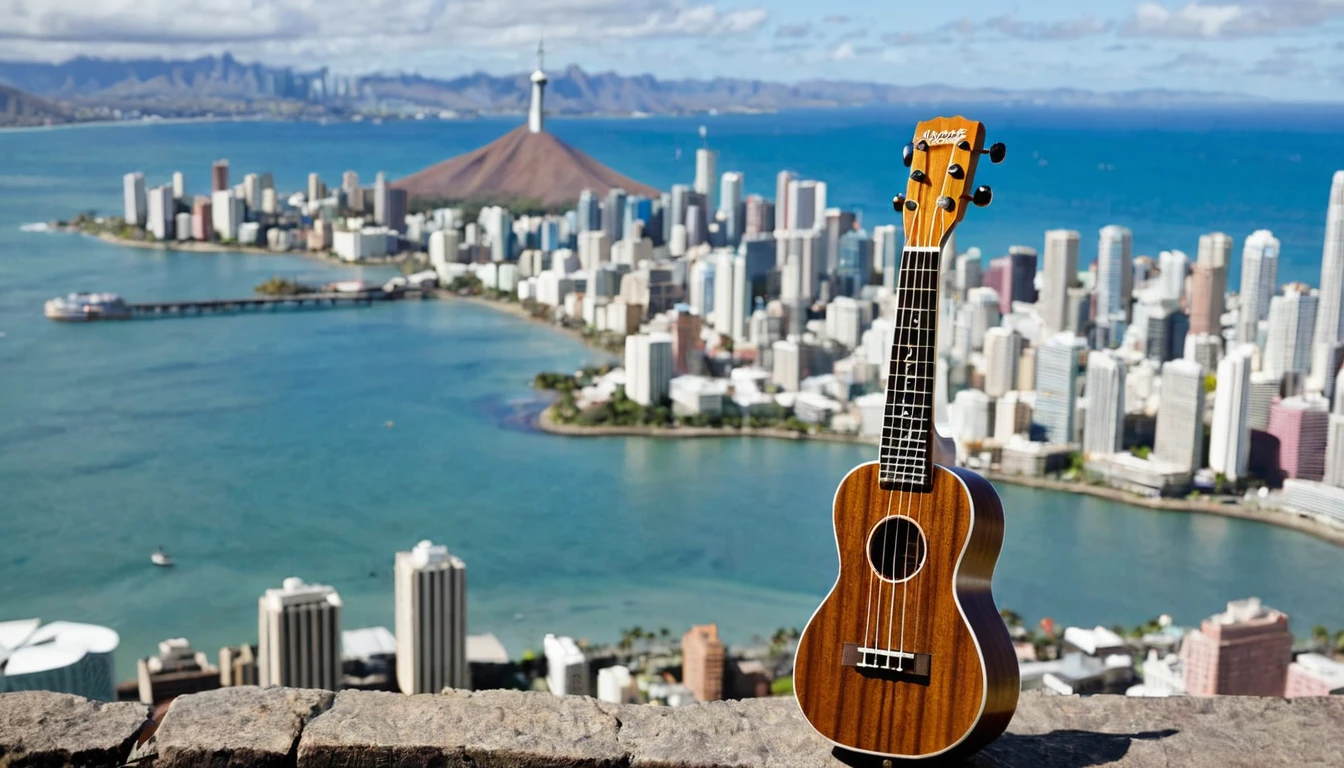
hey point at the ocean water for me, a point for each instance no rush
(316, 444)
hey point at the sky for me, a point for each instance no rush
(1282, 49)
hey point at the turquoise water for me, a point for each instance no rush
(257, 447)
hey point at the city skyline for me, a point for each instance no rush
(1258, 48)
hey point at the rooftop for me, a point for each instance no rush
(247, 726)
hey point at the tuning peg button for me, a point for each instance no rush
(982, 196)
(898, 202)
(997, 151)
(908, 154)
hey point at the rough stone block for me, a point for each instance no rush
(481, 729)
(770, 733)
(40, 729)
(243, 727)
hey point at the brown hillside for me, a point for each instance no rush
(23, 109)
(519, 165)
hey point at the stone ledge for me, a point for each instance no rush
(247, 727)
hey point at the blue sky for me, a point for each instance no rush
(1284, 49)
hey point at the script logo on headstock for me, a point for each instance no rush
(939, 138)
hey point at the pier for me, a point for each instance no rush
(194, 308)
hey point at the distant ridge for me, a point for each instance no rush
(223, 83)
(519, 165)
(24, 109)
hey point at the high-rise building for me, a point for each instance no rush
(1230, 441)
(1264, 389)
(1288, 343)
(299, 636)
(1022, 260)
(886, 244)
(803, 205)
(966, 273)
(1166, 329)
(179, 186)
(1056, 391)
(1244, 651)
(731, 294)
(159, 218)
(1334, 451)
(133, 196)
(589, 212)
(706, 172)
(782, 181)
(731, 206)
(1104, 429)
(855, 263)
(316, 189)
(431, 619)
(202, 219)
(252, 191)
(1059, 273)
(495, 220)
(999, 276)
(760, 216)
(1003, 350)
(648, 367)
(787, 371)
(1259, 282)
(594, 249)
(1115, 279)
(226, 212)
(1208, 286)
(702, 662)
(219, 176)
(1205, 349)
(1180, 416)
(970, 416)
(1302, 426)
(1173, 268)
(613, 214)
(1330, 317)
(566, 667)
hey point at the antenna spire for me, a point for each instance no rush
(541, 52)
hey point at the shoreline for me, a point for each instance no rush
(546, 423)
(201, 246)
(515, 309)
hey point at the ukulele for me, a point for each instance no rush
(907, 657)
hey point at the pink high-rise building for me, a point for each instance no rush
(1302, 426)
(999, 276)
(201, 221)
(1244, 651)
(1312, 674)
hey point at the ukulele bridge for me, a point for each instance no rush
(883, 660)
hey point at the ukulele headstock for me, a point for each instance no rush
(942, 159)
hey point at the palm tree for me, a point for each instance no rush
(1339, 643)
(1320, 637)
(1010, 617)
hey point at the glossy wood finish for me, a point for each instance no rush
(971, 691)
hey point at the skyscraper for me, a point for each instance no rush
(133, 196)
(1115, 279)
(159, 219)
(1056, 393)
(886, 244)
(1230, 443)
(613, 214)
(219, 176)
(702, 662)
(1334, 450)
(1003, 349)
(1173, 268)
(179, 186)
(782, 181)
(1302, 425)
(855, 262)
(1022, 261)
(706, 173)
(803, 205)
(299, 636)
(760, 216)
(1180, 415)
(1259, 282)
(1330, 317)
(648, 367)
(431, 619)
(589, 212)
(731, 206)
(1244, 651)
(1104, 429)
(1288, 343)
(1209, 283)
(1058, 275)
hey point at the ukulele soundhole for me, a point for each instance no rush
(897, 548)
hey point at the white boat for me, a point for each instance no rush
(83, 307)
(161, 558)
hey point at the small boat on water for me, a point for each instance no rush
(161, 558)
(83, 307)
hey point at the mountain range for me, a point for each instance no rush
(215, 84)
(24, 109)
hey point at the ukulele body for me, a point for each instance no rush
(908, 657)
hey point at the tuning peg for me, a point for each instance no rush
(908, 154)
(997, 151)
(897, 203)
(982, 196)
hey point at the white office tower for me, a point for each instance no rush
(700, 288)
(431, 619)
(982, 307)
(730, 204)
(1056, 395)
(1292, 316)
(1173, 268)
(615, 685)
(648, 367)
(730, 294)
(133, 197)
(1012, 415)
(299, 636)
(886, 245)
(803, 204)
(966, 273)
(1205, 349)
(706, 173)
(1104, 429)
(1180, 415)
(1115, 278)
(1230, 441)
(62, 657)
(252, 191)
(159, 217)
(1264, 390)
(1259, 282)
(179, 186)
(787, 370)
(1059, 273)
(182, 226)
(1330, 317)
(844, 321)
(497, 222)
(443, 245)
(226, 214)
(536, 111)
(566, 666)
(971, 420)
(1003, 350)
(594, 249)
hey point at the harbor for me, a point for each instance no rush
(87, 307)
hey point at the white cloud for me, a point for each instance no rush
(842, 52)
(360, 28)
(1222, 20)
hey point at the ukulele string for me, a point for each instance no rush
(926, 422)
